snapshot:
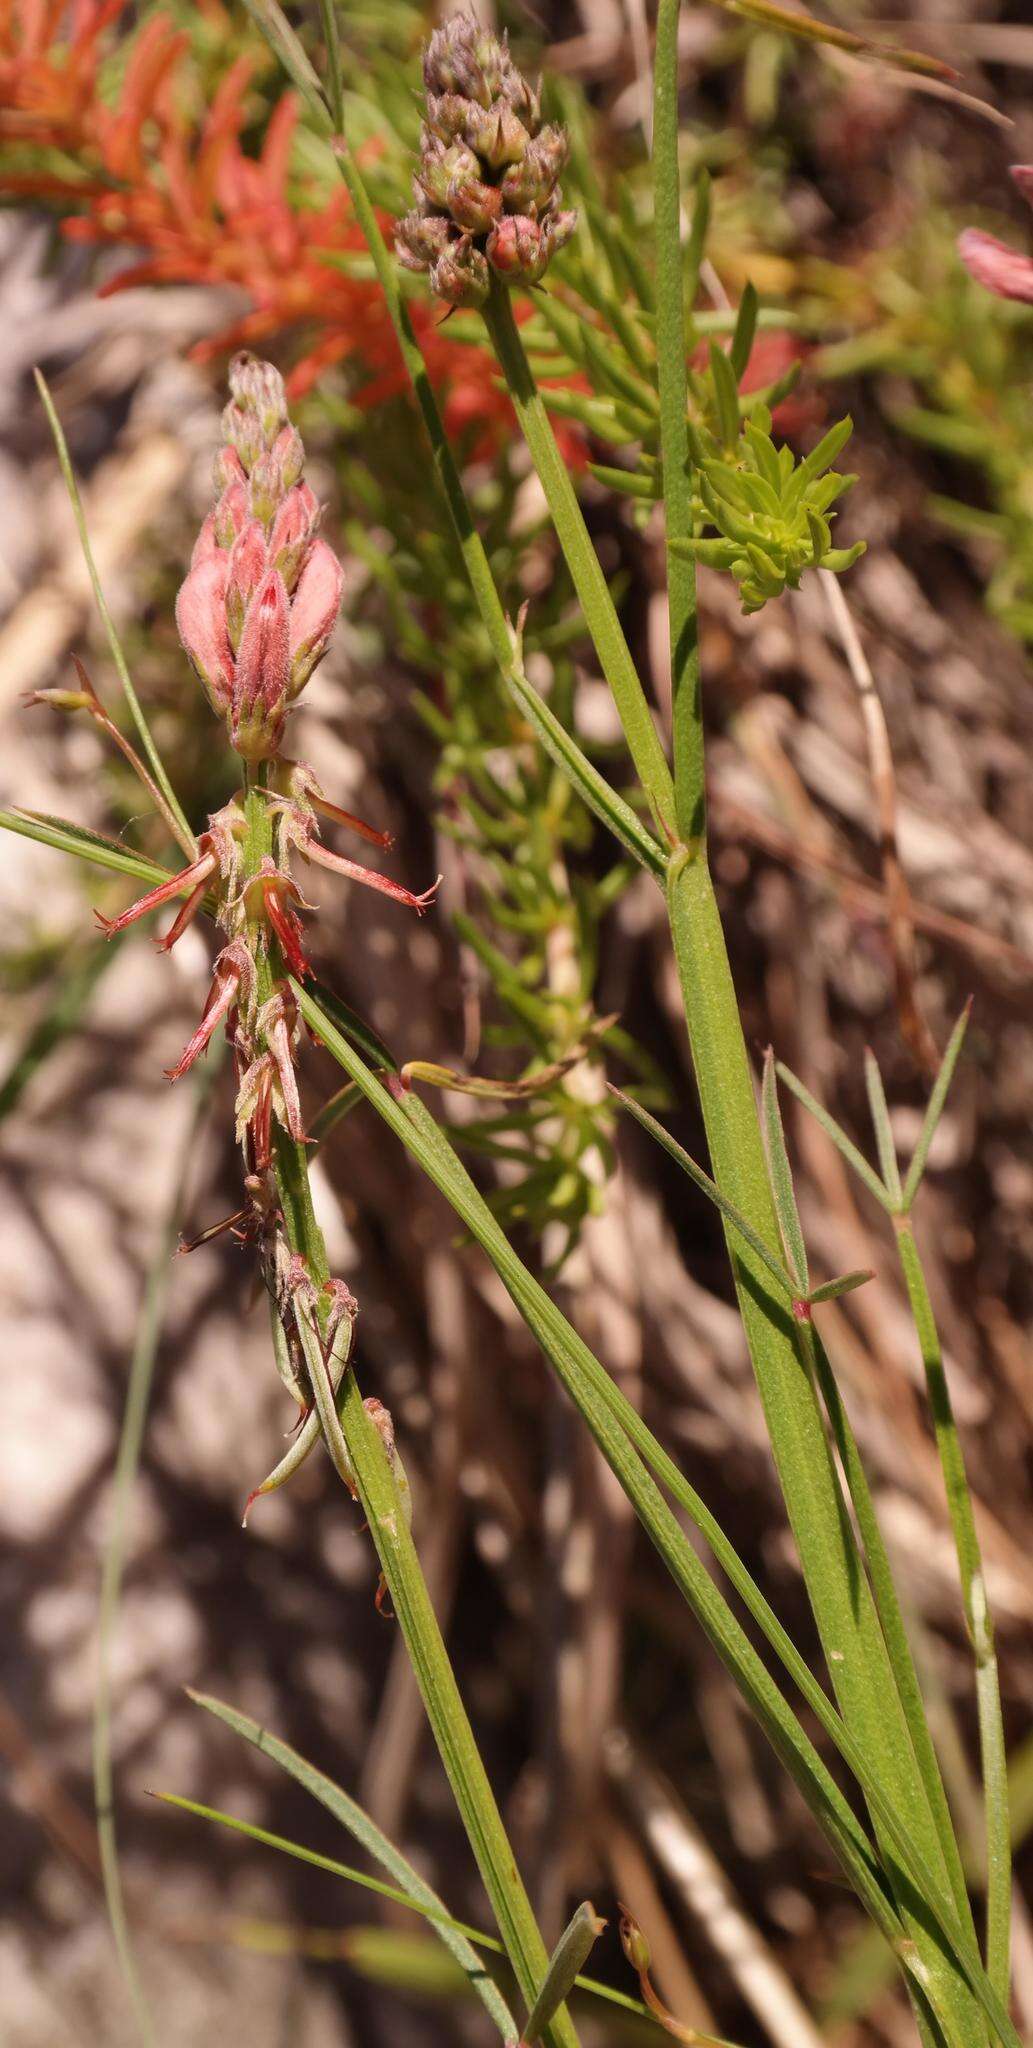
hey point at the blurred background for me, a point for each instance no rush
(161, 207)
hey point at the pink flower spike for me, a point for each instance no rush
(193, 878)
(234, 970)
(201, 619)
(992, 263)
(313, 851)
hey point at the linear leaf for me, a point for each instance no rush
(782, 1179)
(843, 1144)
(883, 1130)
(936, 1105)
(352, 1816)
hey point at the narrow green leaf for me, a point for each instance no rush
(936, 1106)
(335, 85)
(66, 837)
(568, 1958)
(745, 329)
(287, 46)
(843, 1144)
(845, 1284)
(726, 396)
(414, 1889)
(173, 811)
(695, 247)
(782, 1179)
(883, 1132)
(783, 1279)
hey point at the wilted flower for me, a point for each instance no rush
(487, 179)
(994, 264)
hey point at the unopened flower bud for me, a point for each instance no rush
(243, 432)
(230, 515)
(473, 205)
(313, 614)
(516, 248)
(461, 275)
(529, 185)
(420, 238)
(266, 487)
(634, 1944)
(289, 451)
(497, 135)
(259, 390)
(440, 162)
(248, 561)
(227, 469)
(446, 116)
(462, 57)
(292, 530)
(259, 703)
(201, 619)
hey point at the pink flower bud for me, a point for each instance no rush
(201, 619)
(441, 162)
(460, 274)
(289, 450)
(244, 434)
(313, 613)
(263, 669)
(497, 134)
(227, 469)
(258, 389)
(266, 488)
(231, 514)
(473, 205)
(248, 563)
(446, 115)
(515, 247)
(531, 183)
(420, 238)
(293, 527)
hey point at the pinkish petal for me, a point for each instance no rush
(263, 672)
(993, 264)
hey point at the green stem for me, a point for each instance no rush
(687, 709)
(369, 1469)
(841, 1598)
(977, 1615)
(583, 562)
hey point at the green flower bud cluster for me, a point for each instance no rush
(487, 190)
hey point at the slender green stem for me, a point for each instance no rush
(367, 1467)
(888, 1606)
(127, 1465)
(840, 1595)
(169, 803)
(687, 709)
(977, 1614)
(583, 562)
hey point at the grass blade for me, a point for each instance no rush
(175, 815)
(65, 837)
